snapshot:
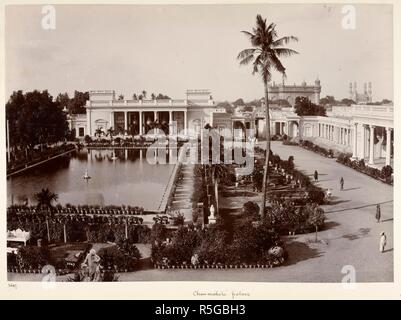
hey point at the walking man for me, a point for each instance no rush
(316, 175)
(342, 183)
(378, 213)
(383, 242)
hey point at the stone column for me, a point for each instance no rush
(140, 123)
(112, 119)
(354, 143)
(89, 123)
(154, 116)
(185, 123)
(388, 147)
(125, 121)
(371, 144)
(363, 142)
(170, 121)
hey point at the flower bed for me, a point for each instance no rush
(79, 227)
(246, 245)
(384, 175)
(306, 144)
(271, 264)
(69, 209)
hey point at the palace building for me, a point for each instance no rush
(290, 92)
(366, 131)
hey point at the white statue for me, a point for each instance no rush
(212, 218)
(212, 211)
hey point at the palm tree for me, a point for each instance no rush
(45, 198)
(110, 132)
(98, 132)
(264, 56)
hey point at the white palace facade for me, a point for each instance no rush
(366, 131)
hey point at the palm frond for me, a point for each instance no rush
(245, 53)
(249, 34)
(284, 41)
(246, 60)
(284, 52)
(276, 63)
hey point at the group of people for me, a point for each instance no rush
(316, 177)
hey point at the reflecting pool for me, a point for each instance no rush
(116, 177)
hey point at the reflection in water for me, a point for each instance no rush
(129, 179)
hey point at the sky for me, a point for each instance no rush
(169, 49)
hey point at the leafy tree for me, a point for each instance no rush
(238, 102)
(162, 96)
(153, 96)
(35, 119)
(304, 107)
(62, 100)
(315, 215)
(264, 55)
(328, 100)
(77, 104)
(347, 102)
(134, 97)
(386, 101)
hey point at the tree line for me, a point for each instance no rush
(35, 118)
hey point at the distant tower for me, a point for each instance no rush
(317, 90)
(370, 91)
(351, 93)
(365, 88)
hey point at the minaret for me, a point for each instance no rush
(317, 89)
(370, 91)
(355, 93)
(351, 93)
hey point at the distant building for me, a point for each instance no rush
(361, 98)
(290, 92)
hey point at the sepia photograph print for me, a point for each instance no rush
(199, 142)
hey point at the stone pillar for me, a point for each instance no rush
(388, 146)
(170, 122)
(112, 119)
(371, 144)
(185, 123)
(154, 116)
(363, 142)
(354, 144)
(125, 121)
(89, 122)
(140, 123)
